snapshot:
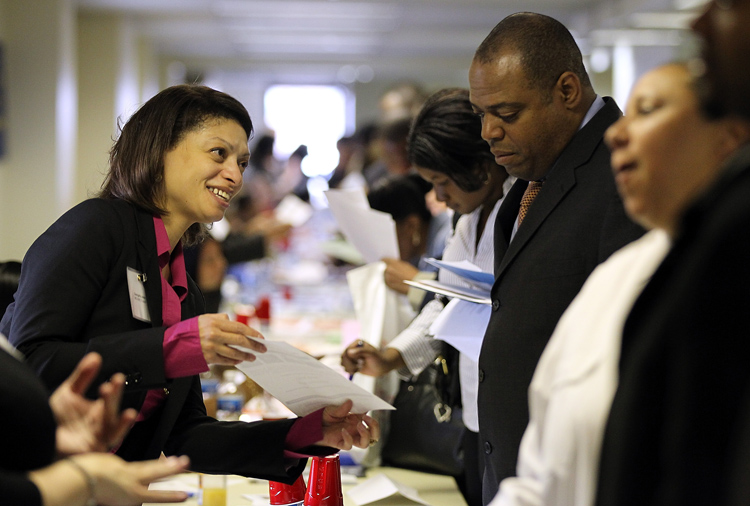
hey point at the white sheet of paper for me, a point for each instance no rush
(380, 487)
(462, 324)
(355, 197)
(302, 383)
(469, 294)
(293, 210)
(382, 314)
(372, 232)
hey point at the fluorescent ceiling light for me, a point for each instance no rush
(664, 20)
(603, 38)
(310, 11)
(689, 4)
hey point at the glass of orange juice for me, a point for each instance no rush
(213, 489)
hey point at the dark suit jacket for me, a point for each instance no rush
(575, 222)
(28, 429)
(73, 298)
(679, 425)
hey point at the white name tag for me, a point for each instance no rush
(138, 295)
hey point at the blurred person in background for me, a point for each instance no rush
(401, 100)
(264, 169)
(397, 106)
(420, 235)
(447, 150)
(348, 171)
(251, 232)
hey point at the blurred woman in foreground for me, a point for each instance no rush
(664, 154)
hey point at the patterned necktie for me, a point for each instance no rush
(528, 197)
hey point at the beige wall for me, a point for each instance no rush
(97, 78)
(68, 77)
(36, 173)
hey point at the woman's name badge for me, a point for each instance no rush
(138, 295)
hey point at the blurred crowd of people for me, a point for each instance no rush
(611, 369)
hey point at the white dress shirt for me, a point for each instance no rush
(417, 347)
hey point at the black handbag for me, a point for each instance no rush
(426, 429)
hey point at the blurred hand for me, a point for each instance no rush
(364, 358)
(396, 272)
(342, 429)
(121, 483)
(268, 226)
(84, 425)
(218, 335)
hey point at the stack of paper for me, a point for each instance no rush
(480, 283)
(463, 321)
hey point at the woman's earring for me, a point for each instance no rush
(415, 239)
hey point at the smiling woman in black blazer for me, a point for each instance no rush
(109, 276)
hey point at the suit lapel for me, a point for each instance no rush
(560, 180)
(506, 218)
(553, 191)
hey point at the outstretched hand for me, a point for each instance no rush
(120, 483)
(84, 425)
(343, 430)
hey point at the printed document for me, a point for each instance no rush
(302, 383)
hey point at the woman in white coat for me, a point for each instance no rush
(664, 153)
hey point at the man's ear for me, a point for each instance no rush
(737, 134)
(568, 88)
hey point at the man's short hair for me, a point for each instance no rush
(546, 47)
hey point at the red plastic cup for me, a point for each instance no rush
(263, 309)
(244, 313)
(282, 494)
(324, 487)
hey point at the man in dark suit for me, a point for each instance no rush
(544, 123)
(679, 428)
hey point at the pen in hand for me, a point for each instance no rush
(360, 343)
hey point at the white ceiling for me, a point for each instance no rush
(356, 39)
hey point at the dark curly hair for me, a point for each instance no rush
(446, 136)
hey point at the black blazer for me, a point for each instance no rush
(73, 298)
(28, 429)
(576, 221)
(679, 427)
